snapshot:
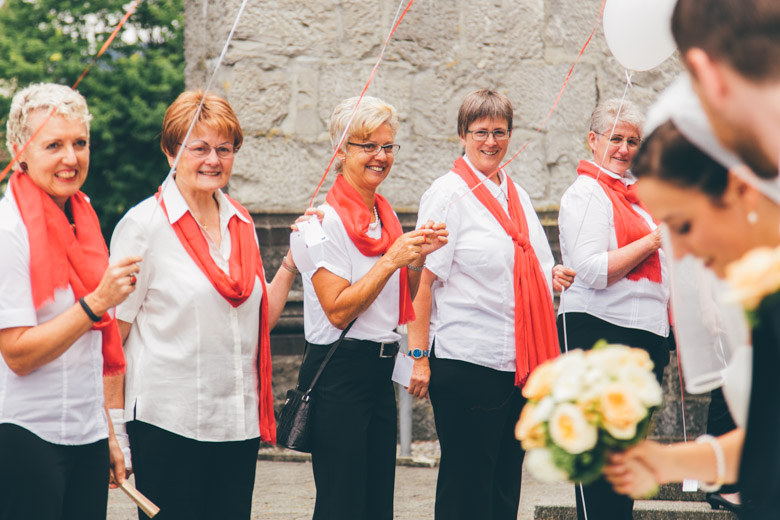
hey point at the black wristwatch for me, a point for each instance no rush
(418, 353)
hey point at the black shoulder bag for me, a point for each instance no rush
(293, 427)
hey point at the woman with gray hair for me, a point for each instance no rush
(367, 272)
(57, 336)
(621, 292)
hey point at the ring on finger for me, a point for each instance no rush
(133, 279)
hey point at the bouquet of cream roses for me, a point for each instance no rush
(583, 405)
(755, 281)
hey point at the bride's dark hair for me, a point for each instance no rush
(668, 156)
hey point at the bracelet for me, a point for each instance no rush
(415, 268)
(720, 463)
(94, 317)
(292, 269)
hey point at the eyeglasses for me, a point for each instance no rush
(617, 140)
(201, 149)
(373, 148)
(482, 135)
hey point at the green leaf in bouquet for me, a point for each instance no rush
(600, 344)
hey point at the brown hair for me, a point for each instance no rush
(216, 114)
(481, 104)
(742, 33)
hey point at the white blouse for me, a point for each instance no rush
(587, 233)
(191, 355)
(473, 304)
(341, 257)
(62, 401)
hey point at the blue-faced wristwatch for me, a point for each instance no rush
(418, 353)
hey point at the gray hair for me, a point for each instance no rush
(604, 115)
(370, 115)
(43, 96)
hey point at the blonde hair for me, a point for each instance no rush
(43, 96)
(370, 115)
(216, 114)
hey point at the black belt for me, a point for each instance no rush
(386, 349)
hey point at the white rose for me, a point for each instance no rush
(540, 463)
(570, 430)
(621, 410)
(540, 381)
(644, 385)
(569, 383)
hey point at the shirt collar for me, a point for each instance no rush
(492, 186)
(628, 179)
(177, 206)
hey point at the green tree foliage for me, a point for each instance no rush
(127, 90)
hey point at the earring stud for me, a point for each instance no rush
(752, 217)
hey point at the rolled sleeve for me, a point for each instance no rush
(332, 254)
(16, 302)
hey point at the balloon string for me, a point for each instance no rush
(549, 113)
(102, 50)
(394, 26)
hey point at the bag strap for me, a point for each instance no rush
(329, 355)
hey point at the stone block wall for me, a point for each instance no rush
(291, 62)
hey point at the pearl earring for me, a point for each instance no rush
(752, 217)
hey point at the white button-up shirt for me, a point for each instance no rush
(342, 258)
(638, 304)
(62, 401)
(191, 355)
(473, 306)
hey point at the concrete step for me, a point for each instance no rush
(674, 492)
(646, 510)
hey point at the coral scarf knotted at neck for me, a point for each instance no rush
(356, 218)
(244, 264)
(61, 256)
(536, 337)
(630, 226)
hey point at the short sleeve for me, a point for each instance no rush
(130, 239)
(332, 254)
(16, 302)
(437, 205)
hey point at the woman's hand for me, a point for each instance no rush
(116, 285)
(563, 277)
(437, 239)
(407, 249)
(631, 477)
(118, 473)
(307, 215)
(638, 471)
(421, 376)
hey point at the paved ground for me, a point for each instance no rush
(285, 491)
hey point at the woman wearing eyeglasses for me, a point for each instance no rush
(621, 292)
(367, 271)
(485, 310)
(197, 394)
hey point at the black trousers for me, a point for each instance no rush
(476, 409)
(355, 429)
(582, 331)
(44, 481)
(190, 479)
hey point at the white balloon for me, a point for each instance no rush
(639, 32)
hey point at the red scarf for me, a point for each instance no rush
(630, 226)
(61, 257)
(245, 263)
(356, 217)
(536, 338)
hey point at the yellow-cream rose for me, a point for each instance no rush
(621, 410)
(529, 430)
(540, 381)
(754, 276)
(570, 430)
